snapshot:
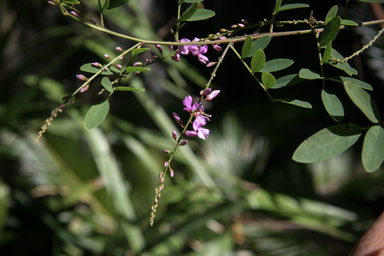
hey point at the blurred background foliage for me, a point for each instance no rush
(78, 192)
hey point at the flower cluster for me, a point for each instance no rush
(195, 50)
(201, 118)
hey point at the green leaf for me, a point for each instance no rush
(189, 12)
(287, 80)
(258, 61)
(116, 3)
(342, 79)
(327, 143)
(192, 1)
(299, 103)
(138, 51)
(201, 14)
(309, 74)
(276, 65)
(247, 47)
(331, 14)
(260, 43)
(96, 115)
(327, 53)
(349, 23)
(129, 89)
(277, 6)
(372, 155)
(268, 80)
(372, 1)
(132, 69)
(70, 1)
(107, 84)
(330, 31)
(333, 105)
(343, 66)
(292, 6)
(361, 99)
(92, 69)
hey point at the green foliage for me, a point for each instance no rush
(107, 84)
(92, 69)
(287, 81)
(201, 14)
(295, 102)
(309, 74)
(373, 149)
(268, 80)
(327, 143)
(258, 61)
(96, 114)
(247, 47)
(330, 31)
(116, 3)
(276, 65)
(287, 7)
(333, 105)
(260, 43)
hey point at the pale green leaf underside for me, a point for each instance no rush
(342, 79)
(361, 99)
(333, 105)
(106, 83)
(299, 103)
(327, 143)
(96, 115)
(309, 74)
(373, 149)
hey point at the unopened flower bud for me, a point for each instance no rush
(105, 69)
(245, 21)
(170, 47)
(241, 25)
(65, 98)
(174, 135)
(190, 133)
(222, 37)
(171, 173)
(158, 47)
(96, 64)
(160, 175)
(206, 92)
(81, 77)
(217, 47)
(177, 118)
(72, 100)
(166, 151)
(223, 30)
(156, 191)
(213, 95)
(166, 164)
(162, 180)
(183, 143)
(137, 64)
(210, 64)
(75, 14)
(52, 3)
(161, 187)
(121, 57)
(85, 88)
(148, 60)
(118, 66)
(176, 57)
(119, 49)
(234, 26)
(106, 56)
(136, 73)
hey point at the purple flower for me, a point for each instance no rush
(176, 57)
(158, 47)
(200, 121)
(177, 118)
(184, 49)
(213, 95)
(207, 91)
(187, 102)
(202, 58)
(190, 133)
(217, 47)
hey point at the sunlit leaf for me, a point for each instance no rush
(191, 1)
(333, 105)
(260, 43)
(92, 69)
(299, 103)
(96, 115)
(201, 14)
(346, 22)
(189, 12)
(330, 31)
(247, 47)
(276, 65)
(309, 74)
(292, 6)
(327, 143)
(342, 79)
(137, 51)
(373, 149)
(361, 99)
(129, 89)
(116, 3)
(331, 14)
(132, 69)
(268, 80)
(106, 83)
(258, 60)
(327, 53)
(287, 80)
